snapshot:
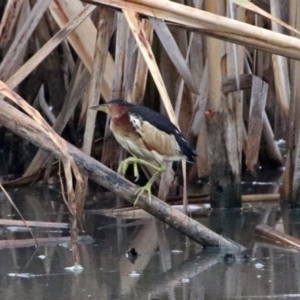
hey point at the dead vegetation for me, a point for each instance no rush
(225, 72)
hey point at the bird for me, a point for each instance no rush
(150, 137)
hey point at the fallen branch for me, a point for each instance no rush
(85, 239)
(9, 222)
(277, 236)
(24, 126)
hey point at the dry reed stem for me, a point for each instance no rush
(77, 86)
(104, 32)
(9, 21)
(83, 39)
(277, 236)
(137, 29)
(250, 6)
(70, 168)
(256, 112)
(290, 185)
(43, 52)
(172, 49)
(22, 37)
(281, 73)
(211, 24)
(141, 71)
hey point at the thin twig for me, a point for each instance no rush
(17, 210)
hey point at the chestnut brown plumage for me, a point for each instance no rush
(148, 136)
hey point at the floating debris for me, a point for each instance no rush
(229, 258)
(22, 275)
(176, 251)
(258, 266)
(75, 269)
(132, 255)
(16, 229)
(134, 274)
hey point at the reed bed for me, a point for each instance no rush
(225, 72)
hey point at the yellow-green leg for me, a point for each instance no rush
(135, 161)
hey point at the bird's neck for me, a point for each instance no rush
(118, 111)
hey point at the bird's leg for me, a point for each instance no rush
(125, 164)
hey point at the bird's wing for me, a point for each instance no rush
(157, 140)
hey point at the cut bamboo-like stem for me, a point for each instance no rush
(214, 25)
(277, 236)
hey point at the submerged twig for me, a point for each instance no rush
(19, 213)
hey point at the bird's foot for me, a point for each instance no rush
(146, 188)
(141, 190)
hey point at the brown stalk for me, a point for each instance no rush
(70, 168)
(174, 53)
(291, 184)
(277, 236)
(83, 39)
(257, 107)
(104, 32)
(137, 29)
(281, 74)
(141, 71)
(38, 57)
(219, 27)
(76, 88)
(22, 37)
(9, 21)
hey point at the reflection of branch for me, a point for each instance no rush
(25, 127)
(85, 239)
(145, 243)
(187, 269)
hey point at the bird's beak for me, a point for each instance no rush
(101, 107)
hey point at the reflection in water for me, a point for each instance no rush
(166, 266)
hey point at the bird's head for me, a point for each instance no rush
(114, 107)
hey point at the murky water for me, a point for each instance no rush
(167, 266)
